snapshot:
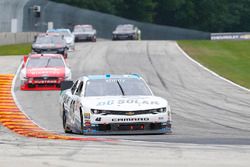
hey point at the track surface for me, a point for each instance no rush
(206, 109)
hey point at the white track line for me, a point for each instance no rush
(205, 68)
(15, 99)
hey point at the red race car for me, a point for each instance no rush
(43, 72)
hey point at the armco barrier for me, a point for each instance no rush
(15, 38)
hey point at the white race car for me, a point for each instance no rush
(113, 104)
(67, 35)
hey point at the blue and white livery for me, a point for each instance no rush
(113, 104)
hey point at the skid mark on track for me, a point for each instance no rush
(15, 120)
(157, 73)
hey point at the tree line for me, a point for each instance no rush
(204, 15)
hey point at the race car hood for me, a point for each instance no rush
(85, 33)
(123, 32)
(47, 46)
(124, 103)
(45, 72)
(68, 39)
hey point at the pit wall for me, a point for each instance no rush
(15, 38)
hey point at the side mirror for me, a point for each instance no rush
(35, 37)
(66, 85)
(25, 58)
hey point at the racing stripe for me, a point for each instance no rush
(15, 120)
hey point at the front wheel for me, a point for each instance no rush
(65, 127)
(81, 118)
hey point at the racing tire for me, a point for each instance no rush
(65, 55)
(81, 121)
(66, 129)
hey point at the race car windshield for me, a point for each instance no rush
(45, 62)
(124, 28)
(117, 87)
(50, 40)
(83, 29)
(64, 33)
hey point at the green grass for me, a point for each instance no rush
(230, 59)
(17, 49)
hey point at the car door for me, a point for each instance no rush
(77, 103)
(71, 102)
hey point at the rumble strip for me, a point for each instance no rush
(15, 120)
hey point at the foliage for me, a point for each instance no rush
(206, 15)
(16, 49)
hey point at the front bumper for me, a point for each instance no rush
(124, 36)
(84, 37)
(41, 85)
(128, 128)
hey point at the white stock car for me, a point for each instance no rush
(113, 104)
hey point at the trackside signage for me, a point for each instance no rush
(230, 36)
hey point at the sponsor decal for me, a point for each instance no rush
(43, 81)
(161, 118)
(129, 101)
(130, 113)
(230, 36)
(129, 119)
(98, 119)
(87, 115)
(87, 123)
(37, 72)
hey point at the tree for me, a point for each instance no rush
(141, 10)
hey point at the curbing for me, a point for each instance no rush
(13, 118)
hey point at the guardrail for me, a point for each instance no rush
(15, 38)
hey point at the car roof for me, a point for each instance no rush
(125, 25)
(110, 76)
(44, 55)
(84, 25)
(48, 34)
(58, 30)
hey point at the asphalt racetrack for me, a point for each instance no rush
(206, 109)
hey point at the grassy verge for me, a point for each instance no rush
(17, 49)
(230, 59)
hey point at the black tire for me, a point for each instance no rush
(93, 39)
(66, 129)
(81, 118)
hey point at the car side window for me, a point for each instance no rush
(74, 87)
(79, 89)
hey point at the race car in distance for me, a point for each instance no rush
(44, 72)
(126, 32)
(84, 33)
(113, 104)
(67, 35)
(50, 43)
